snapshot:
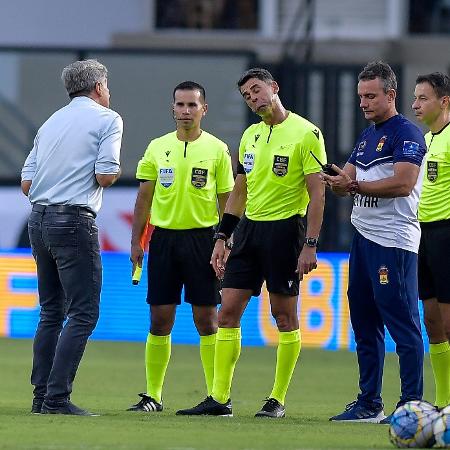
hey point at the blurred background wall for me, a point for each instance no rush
(315, 48)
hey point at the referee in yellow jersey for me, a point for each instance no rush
(186, 177)
(277, 184)
(432, 107)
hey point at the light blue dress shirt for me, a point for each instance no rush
(77, 142)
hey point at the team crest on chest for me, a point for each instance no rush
(248, 162)
(381, 143)
(280, 165)
(199, 177)
(432, 171)
(383, 272)
(166, 176)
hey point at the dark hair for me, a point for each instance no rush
(190, 86)
(440, 82)
(381, 70)
(256, 72)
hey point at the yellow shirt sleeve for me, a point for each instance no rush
(146, 169)
(313, 142)
(224, 172)
(242, 145)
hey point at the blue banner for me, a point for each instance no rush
(124, 314)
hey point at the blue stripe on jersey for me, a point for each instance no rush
(375, 162)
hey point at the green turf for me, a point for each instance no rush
(111, 374)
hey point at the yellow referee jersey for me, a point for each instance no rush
(276, 159)
(188, 177)
(433, 204)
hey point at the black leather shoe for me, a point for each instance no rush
(208, 407)
(64, 408)
(37, 405)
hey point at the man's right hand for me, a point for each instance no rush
(218, 258)
(137, 255)
(339, 183)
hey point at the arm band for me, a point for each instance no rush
(228, 224)
(240, 169)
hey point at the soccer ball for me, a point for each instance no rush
(441, 429)
(412, 425)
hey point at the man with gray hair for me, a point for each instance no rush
(75, 155)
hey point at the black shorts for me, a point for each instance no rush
(266, 251)
(434, 261)
(180, 258)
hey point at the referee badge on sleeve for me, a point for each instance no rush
(199, 177)
(432, 171)
(280, 165)
(248, 162)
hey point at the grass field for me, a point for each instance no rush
(111, 374)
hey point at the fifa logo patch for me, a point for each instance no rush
(432, 171)
(280, 165)
(381, 143)
(199, 177)
(248, 162)
(166, 177)
(383, 272)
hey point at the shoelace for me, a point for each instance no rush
(350, 405)
(204, 402)
(271, 404)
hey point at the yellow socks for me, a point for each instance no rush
(289, 345)
(219, 354)
(157, 356)
(228, 349)
(440, 362)
(207, 350)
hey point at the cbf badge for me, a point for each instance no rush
(381, 143)
(199, 177)
(166, 177)
(383, 272)
(249, 162)
(432, 171)
(280, 165)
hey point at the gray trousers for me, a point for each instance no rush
(64, 241)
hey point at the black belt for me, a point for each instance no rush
(64, 209)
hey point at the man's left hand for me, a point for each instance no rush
(307, 261)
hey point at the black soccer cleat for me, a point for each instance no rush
(272, 408)
(208, 407)
(146, 404)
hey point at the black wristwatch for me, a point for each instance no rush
(311, 242)
(220, 236)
